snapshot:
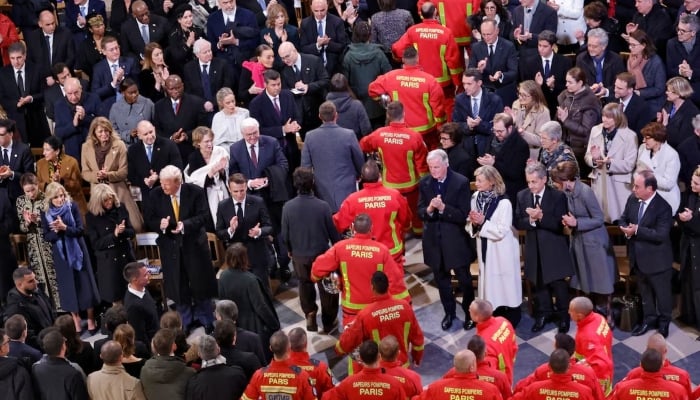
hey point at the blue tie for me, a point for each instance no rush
(598, 70)
(206, 83)
(320, 28)
(149, 152)
(641, 212)
(547, 69)
(475, 108)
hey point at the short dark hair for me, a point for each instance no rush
(132, 270)
(303, 178)
(55, 142)
(547, 36)
(163, 341)
(627, 77)
(298, 339)
(656, 131)
(28, 178)
(566, 342)
(649, 179)
(126, 83)
(394, 111)
(595, 11)
(58, 68)
(114, 316)
(19, 273)
(473, 73)
(53, 342)
(409, 54)
(362, 223)
(369, 352)
(361, 32)
(478, 346)
(279, 343)
(327, 111)
(237, 178)
(17, 47)
(271, 75)
(15, 326)
(370, 171)
(225, 332)
(9, 125)
(107, 39)
(559, 361)
(380, 282)
(652, 360)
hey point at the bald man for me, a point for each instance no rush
(323, 35)
(499, 335)
(388, 352)
(74, 116)
(464, 381)
(593, 340)
(560, 382)
(669, 372)
(650, 381)
(146, 162)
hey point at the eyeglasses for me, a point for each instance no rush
(444, 138)
(683, 31)
(524, 95)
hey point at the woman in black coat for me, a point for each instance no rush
(677, 115)
(110, 234)
(461, 159)
(181, 40)
(690, 255)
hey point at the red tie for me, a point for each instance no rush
(253, 156)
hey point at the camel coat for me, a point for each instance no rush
(70, 179)
(115, 164)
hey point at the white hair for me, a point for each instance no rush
(170, 172)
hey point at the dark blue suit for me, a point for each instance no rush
(504, 59)
(269, 153)
(72, 12)
(543, 18)
(101, 83)
(261, 108)
(74, 136)
(21, 161)
(490, 105)
(245, 28)
(334, 29)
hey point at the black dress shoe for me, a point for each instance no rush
(468, 325)
(640, 329)
(447, 322)
(663, 329)
(539, 324)
(563, 326)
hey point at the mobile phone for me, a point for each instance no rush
(348, 4)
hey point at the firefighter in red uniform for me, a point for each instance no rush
(669, 371)
(579, 371)
(389, 211)
(499, 335)
(385, 316)
(559, 386)
(593, 340)
(388, 353)
(420, 93)
(370, 383)
(321, 376)
(651, 383)
(452, 14)
(464, 382)
(403, 154)
(484, 370)
(280, 379)
(357, 259)
(440, 55)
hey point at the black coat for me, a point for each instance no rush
(545, 243)
(216, 382)
(463, 158)
(21, 162)
(445, 240)
(249, 341)
(658, 25)
(689, 154)
(511, 160)
(186, 258)
(130, 38)
(638, 115)
(530, 66)
(690, 242)
(111, 253)
(255, 309)
(220, 75)
(543, 18)
(36, 310)
(55, 378)
(335, 29)
(680, 126)
(165, 153)
(612, 66)
(30, 118)
(650, 248)
(190, 115)
(63, 49)
(313, 74)
(675, 55)
(245, 360)
(15, 382)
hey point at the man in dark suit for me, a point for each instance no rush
(178, 114)
(143, 28)
(548, 262)
(278, 116)
(653, 19)
(109, 72)
(443, 205)
(255, 7)
(475, 108)
(547, 68)
(234, 33)
(246, 340)
(244, 218)
(76, 13)
(74, 114)
(497, 60)
(22, 96)
(206, 75)
(508, 153)
(306, 77)
(646, 222)
(49, 44)
(600, 64)
(683, 53)
(261, 161)
(636, 109)
(179, 212)
(148, 157)
(15, 160)
(323, 35)
(529, 19)
(141, 309)
(60, 72)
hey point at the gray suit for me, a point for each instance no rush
(125, 117)
(334, 154)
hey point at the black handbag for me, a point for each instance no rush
(627, 312)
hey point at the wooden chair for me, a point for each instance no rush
(147, 248)
(527, 286)
(19, 246)
(217, 250)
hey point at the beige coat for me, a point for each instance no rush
(115, 164)
(528, 124)
(612, 186)
(70, 179)
(112, 382)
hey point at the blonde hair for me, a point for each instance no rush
(104, 123)
(199, 133)
(492, 175)
(53, 190)
(124, 335)
(98, 195)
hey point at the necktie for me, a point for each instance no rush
(537, 200)
(640, 214)
(176, 106)
(475, 108)
(5, 158)
(622, 105)
(490, 50)
(144, 33)
(297, 75)
(598, 70)
(253, 156)
(239, 212)
(48, 46)
(206, 83)
(547, 69)
(83, 11)
(176, 208)
(670, 114)
(20, 83)
(149, 152)
(277, 105)
(262, 4)
(320, 28)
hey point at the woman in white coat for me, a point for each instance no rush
(490, 221)
(657, 155)
(569, 21)
(612, 153)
